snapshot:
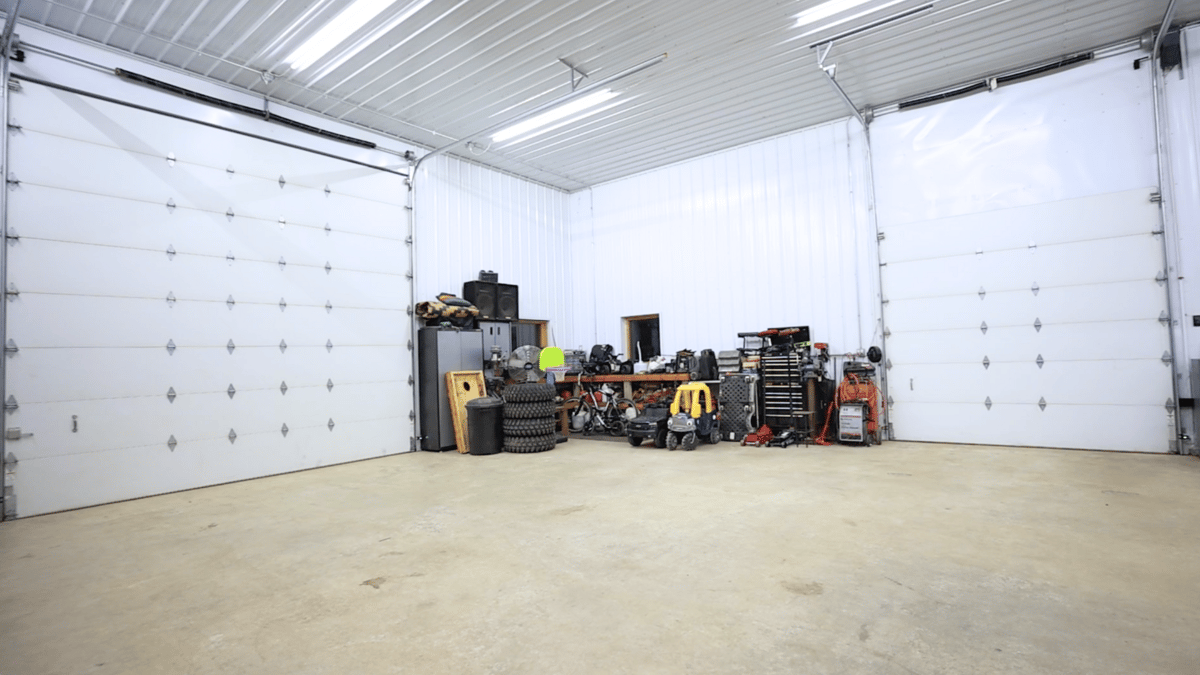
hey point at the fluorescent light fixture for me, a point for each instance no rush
(345, 24)
(553, 115)
(826, 10)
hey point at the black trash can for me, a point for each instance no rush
(485, 425)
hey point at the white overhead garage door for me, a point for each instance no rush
(191, 306)
(1021, 252)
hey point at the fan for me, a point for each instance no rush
(523, 364)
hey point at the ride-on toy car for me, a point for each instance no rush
(651, 424)
(693, 417)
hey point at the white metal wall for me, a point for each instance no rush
(770, 234)
(471, 218)
(1022, 248)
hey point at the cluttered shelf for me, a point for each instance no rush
(639, 377)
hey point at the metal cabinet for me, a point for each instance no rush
(497, 333)
(441, 351)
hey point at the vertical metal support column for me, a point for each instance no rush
(5, 71)
(413, 323)
(1169, 230)
(883, 333)
(865, 120)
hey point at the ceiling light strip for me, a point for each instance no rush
(537, 110)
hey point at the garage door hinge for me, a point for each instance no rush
(11, 347)
(1163, 317)
(1166, 359)
(1156, 197)
(412, 415)
(13, 124)
(14, 85)
(1170, 405)
(408, 240)
(887, 332)
(12, 234)
(410, 345)
(12, 291)
(1161, 277)
(408, 275)
(881, 236)
(11, 404)
(12, 179)
(14, 434)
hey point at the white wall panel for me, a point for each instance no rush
(471, 218)
(1019, 225)
(110, 272)
(770, 234)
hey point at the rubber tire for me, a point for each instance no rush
(525, 411)
(690, 441)
(530, 392)
(539, 426)
(530, 444)
(635, 440)
(660, 439)
(714, 436)
(603, 369)
(672, 440)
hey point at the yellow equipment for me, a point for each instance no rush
(693, 417)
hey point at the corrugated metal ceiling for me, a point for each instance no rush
(738, 71)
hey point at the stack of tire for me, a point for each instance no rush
(529, 417)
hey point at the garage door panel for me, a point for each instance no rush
(108, 124)
(1114, 383)
(932, 278)
(1104, 216)
(154, 182)
(127, 175)
(101, 298)
(1096, 262)
(74, 481)
(48, 375)
(949, 346)
(68, 216)
(110, 425)
(1094, 323)
(1137, 428)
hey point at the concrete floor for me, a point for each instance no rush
(601, 558)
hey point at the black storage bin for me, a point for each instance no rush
(485, 425)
